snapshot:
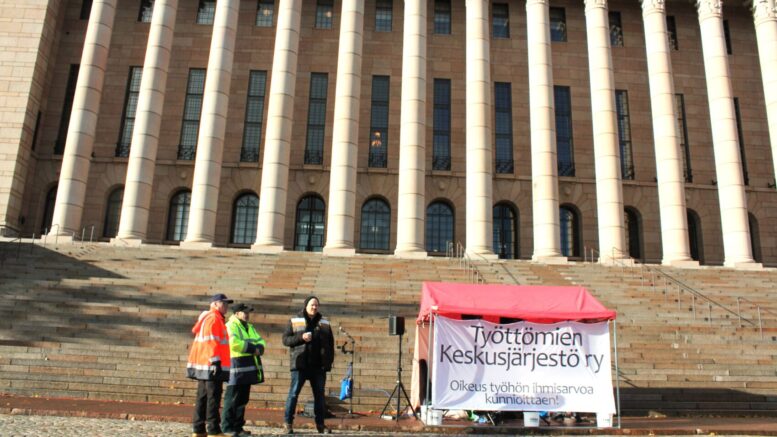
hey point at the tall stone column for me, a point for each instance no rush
(728, 166)
(609, 195)
(79, 142)
(411, 208)
(479, 139)
(280, 115)
(210, 142)
(669, 161)
(345, 137)
(542, 116)
(138, 187)
(765, 17)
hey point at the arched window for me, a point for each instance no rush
(439, 227)
(48, 210)
(505, 231)
(309, 235)
(569, 221)
(694, 235)
(245, 214)
(376, 224)
(633, 224)
(755, 237)
(178, 216)
(113, 213)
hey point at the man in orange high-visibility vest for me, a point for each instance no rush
(209, 364)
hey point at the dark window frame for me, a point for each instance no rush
(325, 13)
(558, 24)
(572, 249)
(443, 17)
(177, 224)
(441, 128)
(206, 12)
(671, 31)
(245, 219)
(500, 20)
(253, 125)
(262, 16)
(695, 235)
(373, 237)
(616, 28)
(564, 113)
(624, 134)
(113, 206)
(316, 126)
(682, 126)
(379, 122)
(503, 128)
(312, 209)
(186, 151)
(741, 140)
(86, 9)
(67, 109)
(146, 12)
(384, 15)
(727, 37)
(499, 220)
(129, 113)
(49, 202)
(631, 216)
(435, 229)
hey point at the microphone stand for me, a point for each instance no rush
(352, 353)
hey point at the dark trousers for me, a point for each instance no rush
(317, 378)
(207, 407)
(235, 401)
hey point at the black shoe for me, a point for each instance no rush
(323, 429)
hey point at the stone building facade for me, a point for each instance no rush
(523, 129)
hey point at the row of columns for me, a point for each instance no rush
(411, 198)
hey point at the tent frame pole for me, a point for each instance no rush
(429, 360)
(617, 373)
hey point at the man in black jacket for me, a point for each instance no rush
(312, 349)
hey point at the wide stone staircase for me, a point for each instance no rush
(103, 322)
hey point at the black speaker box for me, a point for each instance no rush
(396, 325)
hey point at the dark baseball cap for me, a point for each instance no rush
(221, 297)
(242, 307)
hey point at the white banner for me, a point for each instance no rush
(522, 366)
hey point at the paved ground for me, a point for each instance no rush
(25, 416)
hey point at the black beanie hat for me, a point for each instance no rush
(305, 305)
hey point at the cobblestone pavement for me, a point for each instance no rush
(38, 426)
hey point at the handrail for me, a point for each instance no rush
(456, 251)
(683, 287)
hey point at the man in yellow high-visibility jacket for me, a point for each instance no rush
(245, 347)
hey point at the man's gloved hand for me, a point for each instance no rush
(215, 370)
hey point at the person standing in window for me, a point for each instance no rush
(245, 347)
(312, 349)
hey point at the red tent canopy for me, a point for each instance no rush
(538, 304)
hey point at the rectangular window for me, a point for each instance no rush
(146, 11)
(384, 14)
(682, 128)
(558, 24)
(265, 10)
(624, 133)
(500, 20)
(314, 147)
(379, 122)
(86, 9)
(503, 126)
(442, 17)
(616, 29)
(206, 12)
(67, 107)
(324, 12)
(727, 35)
(741, 138)
(191, 114)
(671, 30)
(565, 150)
(252, 132)
(130, 108)
(441, 141)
